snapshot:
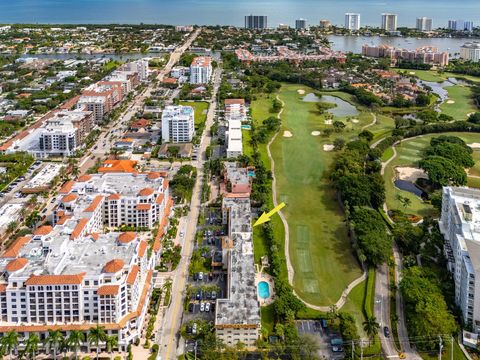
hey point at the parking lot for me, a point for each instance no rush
(323, 335)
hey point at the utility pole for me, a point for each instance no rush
(353, 349)
(440, 347)
(451, 351)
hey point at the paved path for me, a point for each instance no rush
(290, 270)
(374, 121)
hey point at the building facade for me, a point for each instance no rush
(470, 51)
(178, 124)
(58, 139)
(460, 226)
(300, 24)
(234, 139)
(389, 22)
(235, 109)
(352, 21)
(201, 70)
(424, 24)
(256, 22)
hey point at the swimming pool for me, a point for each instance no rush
(263, 290)
(246, 127)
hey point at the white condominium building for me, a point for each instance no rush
(115, 199)
(178, 124)
(352, 21)
(424, 24)
(58, 139)
(389, 22)
(53, 280)
(96, 104)
(237, 318)
(201, 70)
(470, 51)
(235, 109)
(460, 226)
(140, 66)
(234, 139)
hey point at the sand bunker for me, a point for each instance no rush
(355, 121)
(450, 102)
(474, 145)
(315, 133)
(328, 122)
(328, 147)
(287, 134)
(411, 73)
(410, 173)
(300, 92)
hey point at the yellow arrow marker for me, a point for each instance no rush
(266, 217)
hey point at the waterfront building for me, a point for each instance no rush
(300, 24)
(255, 22)
(178, 124)
(470, 51)
(325, 24)
(352, 21)
(389, 22)
(460, 25)
(460, 226)
(201, 70)
(424, 24)
(426, 54)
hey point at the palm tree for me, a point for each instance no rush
(97, 335)
(75, 340)
(54, 341)
(111, 342)
(31, 345)
(10, 342)
(371, 326)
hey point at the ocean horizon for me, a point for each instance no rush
(221, 12)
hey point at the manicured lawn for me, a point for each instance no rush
(354, 306)
(320, 250)
(387, 154)
(463, 102)
(267, 314)
(200, 108)
(408, 154)
(457, 352)
(383, 127)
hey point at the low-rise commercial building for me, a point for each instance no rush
(42, 181)
(178, 124)
(460, 226)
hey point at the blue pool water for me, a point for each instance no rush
(251, 173)
(246, 127)
(263, 290)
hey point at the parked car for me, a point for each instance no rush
(207, 307)
(208, 295)
(214, 295)
(202, 307)
(195, 276)
(190, 307)
(194, 328)
(188, 329)
(200, 276)
(198, 296)
(386, 331)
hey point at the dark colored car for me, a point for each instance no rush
(199, 295)
(386, 331)
(190, 307)
(195, 276)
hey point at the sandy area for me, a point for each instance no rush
(315, 133)
(300, 92)
(450, 102)
(355, 121)
(328, 122)
(328, 147)
(411, 73)
(287, 134)
(410, 173)
(474, 145)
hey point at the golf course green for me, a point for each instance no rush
(319, 248)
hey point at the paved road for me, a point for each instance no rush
(173, 316)
(382, 310)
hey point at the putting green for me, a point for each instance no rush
(320, 251)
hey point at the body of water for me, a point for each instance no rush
(221, 12)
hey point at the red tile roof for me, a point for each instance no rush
(105, 290)
(69, 198)
(114, 197)
(14, 249)
(132, 275)
(118, 166)
(67, 187)
(146, 192)
(234, 101)
(16, 264)
(78, 228)
(114, 266)
(84, 178)
(43, 230)
(64, 219)
(127, 237)
(160, 198)
(153, 175)
(142, 248)
(94, 204)
(55, 279)
(143, 207)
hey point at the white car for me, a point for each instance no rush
(207, 307)
(202, 307)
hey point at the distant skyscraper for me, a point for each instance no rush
(325, 24)
(424, 24)
(389, 22)
(300, 24)
(352, 21)
(468, 26)
(452, 25)
(460, 25)
(257, 22)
